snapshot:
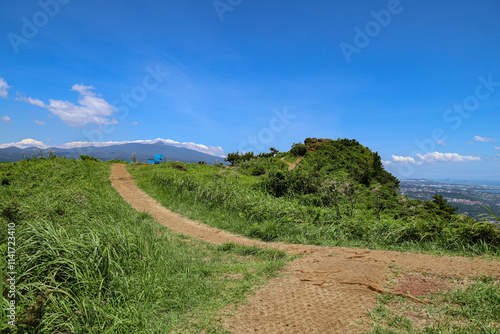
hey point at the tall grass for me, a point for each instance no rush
(88, 263)
(474, 308)
(220, 197)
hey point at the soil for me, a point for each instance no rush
(417, 284)
(327, 289)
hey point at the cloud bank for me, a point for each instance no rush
(431, 157)
(91, 108)
(401, 159)
(25, 143)
(5, 119)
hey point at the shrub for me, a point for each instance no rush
(298, 149)
(88, 158)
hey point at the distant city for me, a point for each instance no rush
(470, 199)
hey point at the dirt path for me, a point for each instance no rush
(292, 166)
(328, 290)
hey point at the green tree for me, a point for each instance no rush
(233, 158)
(298, 149)
(248, 156)
(440, 207)
(88, 158)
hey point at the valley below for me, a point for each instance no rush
(470, 199)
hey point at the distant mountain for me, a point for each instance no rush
(121, 151)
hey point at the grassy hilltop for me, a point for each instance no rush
(86, 262)
(338, 194)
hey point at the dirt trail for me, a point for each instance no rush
(292, 166)
(328, 290)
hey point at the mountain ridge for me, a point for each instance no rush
(119, 151)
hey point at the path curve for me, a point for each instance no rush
(292, 166)
(328, 290)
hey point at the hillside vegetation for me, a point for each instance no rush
(339, 194)
(86, 262)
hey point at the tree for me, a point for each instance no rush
(441, 207)
(298, 149)
(233, 158)
(248, 156)
(88, 158)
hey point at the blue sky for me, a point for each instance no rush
(417, 81)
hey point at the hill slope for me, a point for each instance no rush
(337, 195)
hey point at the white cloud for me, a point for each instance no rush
(484, 139)
(5, 119)
(441, 142)
(431, 157)
(4, 88)
(400, 159)
(26, 143)
(445, 157)
(497, 147)
(39, 122)
(29, 100)
(91, 108)
(134, 123)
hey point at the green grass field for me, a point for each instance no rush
(86, 262)
(223, 198)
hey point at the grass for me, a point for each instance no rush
(290, 159)
(221, 198)
(471, 307)
(88, 263)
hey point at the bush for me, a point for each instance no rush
(258, 167)
(298, 149)
(277, 183)
(88, 158)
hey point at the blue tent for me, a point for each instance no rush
(158, 159)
